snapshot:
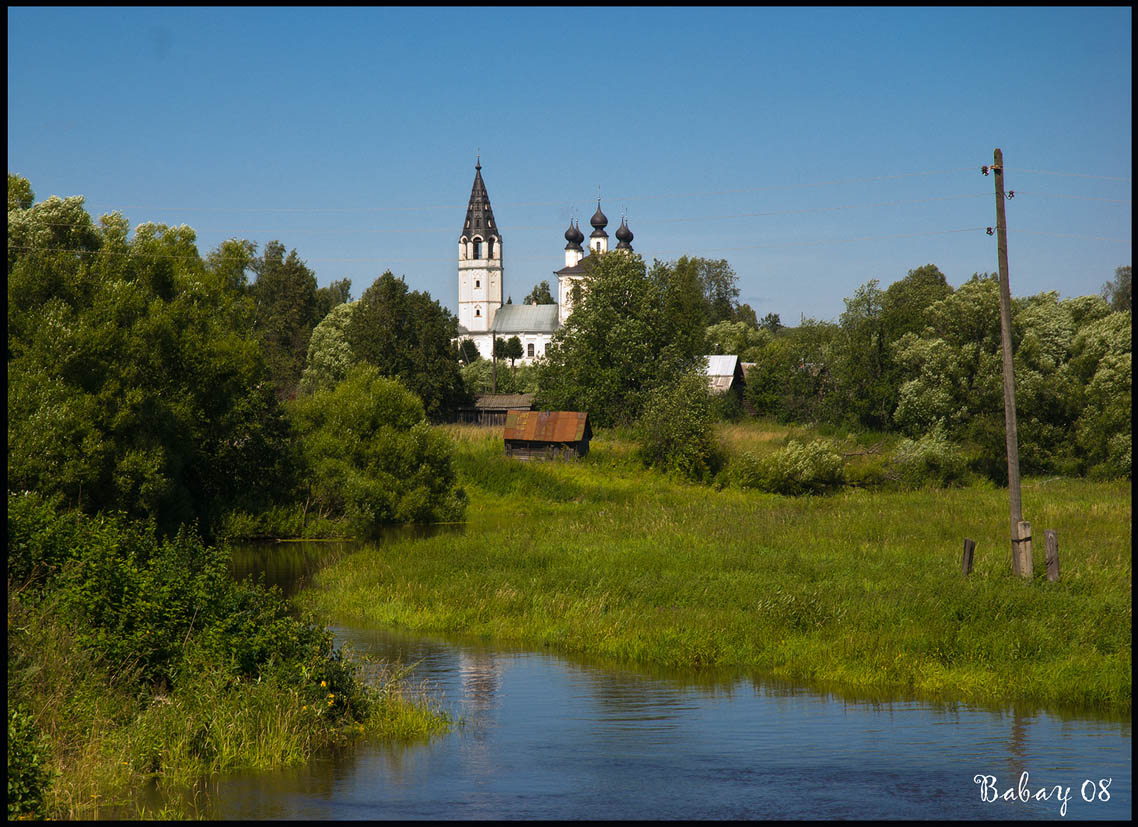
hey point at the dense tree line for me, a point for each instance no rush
(920, 356)
(153, 402)
(145, 379)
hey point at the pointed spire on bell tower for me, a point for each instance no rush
(479, 260)
(479, 216)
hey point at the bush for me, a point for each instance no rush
(160, 609)
(371, 456)
(931, 460)
(803, 469)
(28, 773)
(675, 431)
(796, 469)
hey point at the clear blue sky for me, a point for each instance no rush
(350, 135)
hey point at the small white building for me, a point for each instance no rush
(724, 374)
(481, 314)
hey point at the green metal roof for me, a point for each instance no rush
(511, 319)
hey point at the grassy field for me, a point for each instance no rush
(857, 592)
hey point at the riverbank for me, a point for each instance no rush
(857, 590)
(136, 664)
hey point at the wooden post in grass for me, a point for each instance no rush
(969, 549)
(1021, 556)
(1021, 543)
(1052, 555)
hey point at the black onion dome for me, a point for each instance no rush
(574, 237)
(599, 219)
(578, 236)
(623, 234)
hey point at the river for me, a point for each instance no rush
(545, 737)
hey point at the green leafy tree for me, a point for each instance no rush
(539, 295)
(497, 351)
(371, 456)
(513, 350)
(720, 287)
(860, 363)
(1101, 363)
(335, 294)
(133, 383)
(791, 378)
(408, 335)
(736, 338)
(675, 432)
(468, 352)
(1117, 292)
(906, 302)
(330, 356)
(478, 378)
(233, 262)
(683, 310)
(20, 195)
(746, 314)
(616, 346)
(771, 322)
(284, 298)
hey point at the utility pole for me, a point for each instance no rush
(1021, 531)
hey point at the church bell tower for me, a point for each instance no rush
(479, 261)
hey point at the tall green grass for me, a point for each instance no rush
(109, 745)
(857, 591)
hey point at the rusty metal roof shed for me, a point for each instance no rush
(548, 426)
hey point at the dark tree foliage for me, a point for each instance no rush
(134, 383)
(337, 293)
(233, 262)
(720, 287)
(285, 312)
(468, 352)
(684, 312)
(408, 335)
(617, 345)
(539, 295)
(370, 455)
(513, 350)
(771, 322)
(792, 378)
(20, 195)
(746, 314)
(1117, 292)
(906, 302)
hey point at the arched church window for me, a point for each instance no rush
(477, 248)
(489, 248)
(529, 350)
(477, 284)
(477, 311)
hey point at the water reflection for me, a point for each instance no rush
(545, 737)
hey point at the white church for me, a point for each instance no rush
(481, 314)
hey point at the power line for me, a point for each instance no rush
(552, 228)
(556, 203)
(1067, 174)
(821, 209)
(796, 243)
(1019, 192)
